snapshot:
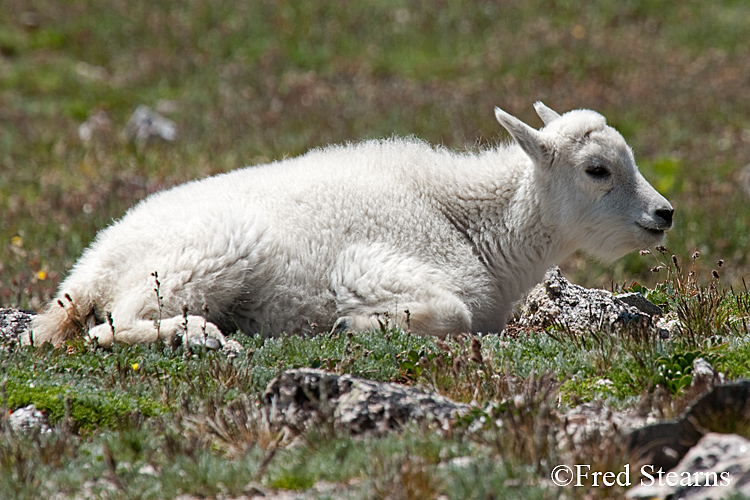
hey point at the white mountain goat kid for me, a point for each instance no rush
(439, 242)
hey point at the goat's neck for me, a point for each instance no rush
(503, 213)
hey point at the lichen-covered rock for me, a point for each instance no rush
(718, 466)
(13, 323)
(28, 420)
(725, 409)
(299, 398)
(556, 301)
(594, 421)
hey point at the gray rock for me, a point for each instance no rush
(669, 326)
(636, 299)
(718, 466)
(13, 323)
(29, 420)
(556, 301)
(663, 444)
(725, 409)
(594, 421)
(705, 377)
(145, 124)
(299, 398)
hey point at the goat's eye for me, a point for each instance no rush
(598, 172)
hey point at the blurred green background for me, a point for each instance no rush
(252, 81)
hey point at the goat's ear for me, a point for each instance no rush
(531, 140)
(546, 114)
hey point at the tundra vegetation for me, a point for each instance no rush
(250, 82)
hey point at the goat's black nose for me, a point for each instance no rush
(665, 214)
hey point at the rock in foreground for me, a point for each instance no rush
(298, 398)
(717, 467)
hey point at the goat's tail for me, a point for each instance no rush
(65, 318)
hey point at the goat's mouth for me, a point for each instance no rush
(653, 231)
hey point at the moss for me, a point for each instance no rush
(90, 408)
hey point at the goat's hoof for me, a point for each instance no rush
(213, 343)
(199, 341)
(343, 324)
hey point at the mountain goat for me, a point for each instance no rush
(439, 242)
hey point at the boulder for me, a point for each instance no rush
(302, 397)
(557, 301)
(725, 409)
(718, 466)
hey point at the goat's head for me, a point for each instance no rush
(591, 184)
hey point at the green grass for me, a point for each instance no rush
(156, 422)
(250, 82)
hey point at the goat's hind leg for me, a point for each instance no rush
(437, 316)
(196, 330)
(425, 321)
(374, 284)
